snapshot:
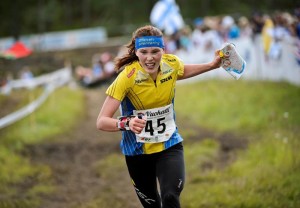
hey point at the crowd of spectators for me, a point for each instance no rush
(209, 33)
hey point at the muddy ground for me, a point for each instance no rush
(72, 157)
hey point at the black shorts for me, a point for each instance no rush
(166, 168)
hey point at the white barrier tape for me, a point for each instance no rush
(41, 80)
(23, 112)
(56, 80)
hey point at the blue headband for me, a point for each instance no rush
(149, 41)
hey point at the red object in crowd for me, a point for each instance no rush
(17, 50)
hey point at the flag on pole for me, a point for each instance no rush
(166, 16)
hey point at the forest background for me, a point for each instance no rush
(119, 18)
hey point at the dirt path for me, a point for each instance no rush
(72, 157)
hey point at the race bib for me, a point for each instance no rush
(160, 124)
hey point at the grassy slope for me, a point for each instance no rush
(267, 174)
(21, 182)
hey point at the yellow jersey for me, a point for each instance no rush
(138, 91)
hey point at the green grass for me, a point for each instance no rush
(56, 115)
(244, 107)
(17, 99)
(266, 174)
(20, 181)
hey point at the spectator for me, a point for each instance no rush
(229, 28)
(297, 23)
(257, 23)
(106, 61)
(26, 73)
(197, 34)
(170, 43)
(267, 35)
(85, 75)
(245, 27)
(279, 33)
(27, 76)
(5, 87)
(211, 34)
(102, 70)
(185, 39)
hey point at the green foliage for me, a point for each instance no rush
(44, 16)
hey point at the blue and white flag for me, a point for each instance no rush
(166, 16)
